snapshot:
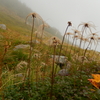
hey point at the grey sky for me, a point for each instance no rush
(58, 12)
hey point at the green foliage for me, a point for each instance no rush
(65, 88)
(17, 42)
(19, 55)
(14, 58)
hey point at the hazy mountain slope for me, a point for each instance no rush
(13, 14)
(16, 6)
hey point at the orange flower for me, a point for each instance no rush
(96, 80)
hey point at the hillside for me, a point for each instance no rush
(47, 69)
(13, 14)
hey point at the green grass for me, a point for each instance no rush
(14, 24)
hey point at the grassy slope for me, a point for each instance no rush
(12, 21)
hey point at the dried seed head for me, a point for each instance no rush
(54, 38)
(86, 40)
(69, 24)
(69, 33)
(76, 31)
(87, 25)
(93, 39)
(82, 58)
(55, 41)
(94, 34)
(34, 15)
(98, 38)
(81, 38)
(76, 36)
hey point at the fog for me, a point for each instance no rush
(58, 12)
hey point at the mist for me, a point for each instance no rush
(58, 12)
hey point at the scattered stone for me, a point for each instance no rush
(63, 72)
(19, 75)
(61, 59)
(35, 41)
(3, 26)
(21, 46)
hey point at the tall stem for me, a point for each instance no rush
(75, 44)
(61, 47)
(30, 53)
(95, 49)
(67, 45)
(42, 32)
(81, 40)
(72, 46)
(86, 48)
(62, 42)
(52, 76)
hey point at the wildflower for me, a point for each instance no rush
(42, 26)
(54, 41)
(98, 39)
(85, 39)
(94, 34)
(76, 37)
(41, 30)
(34, 15)
(76, 31)
(93, 39)
(69, 33)
(69, 24)
(82, 59)
(87, 25)
(96, 81)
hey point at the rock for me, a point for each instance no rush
(21, 46)
(19, 75)
(63, 72)
(3, 26)
(35, 41)
(61, 59)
